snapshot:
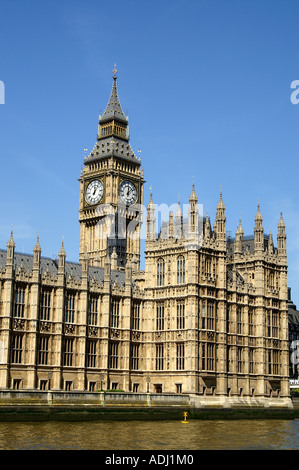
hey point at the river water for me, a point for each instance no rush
(269, 434)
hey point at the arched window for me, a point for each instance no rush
(181, 270)
(160, 272)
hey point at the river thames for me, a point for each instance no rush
(271, 434)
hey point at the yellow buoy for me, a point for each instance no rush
(185, 418)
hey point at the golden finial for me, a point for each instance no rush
(114, 71)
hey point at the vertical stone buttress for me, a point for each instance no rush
(59, 323)
(126, 325)
(220, 232)
(83, 326)
(32, 321)
(106, 299)
(283, 296)
(260, 358)
(6, 315)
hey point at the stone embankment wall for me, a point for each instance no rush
(42, 405)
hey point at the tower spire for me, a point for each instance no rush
(113, 109)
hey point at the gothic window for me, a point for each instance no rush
(68, 385)
(92, 386)
(203, 313)
(136, 316)
(181, 270)
(269, 324)
(210, 315)
(250, 322)
(160, 272)
(180, 356)
(271, 280)
(160, 316)
(275, 323)
(17, 349)
(159, 356)
(239, 321)
(275, 360)
(115, 313)
(208, 266)
(113, 356)
(45, 304)
(180, 314)
(17, 384)
(135, 356)
(68, 352)
(208, 356)
(229, 359)
(70, 308)
(44, 385)
(19, 303)
(93, 311)
(251, 361)
(91, 353)
(43, 352)
(240, 357)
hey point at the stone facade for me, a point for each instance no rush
(208, 315)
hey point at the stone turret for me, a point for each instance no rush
(207, 232)
(270, 244)
(36, 255)
(193, 213)
(258, 232)
(61, 259)
(151, 220)
(178, 223)
(281, 238)
(239, 238)
(220, 221)
(10, 251)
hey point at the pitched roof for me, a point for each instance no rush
(112, 146)
(51, 265)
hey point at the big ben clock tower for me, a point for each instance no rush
(111, 191)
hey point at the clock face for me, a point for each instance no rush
(128, 192)
(94, 192)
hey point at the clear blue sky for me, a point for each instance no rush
(206, 84)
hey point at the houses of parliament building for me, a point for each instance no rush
(208, 315)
